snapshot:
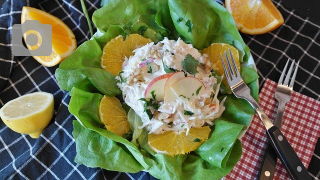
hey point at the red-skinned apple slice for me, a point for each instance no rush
(157, 85)
(168, 93)
(188, 87)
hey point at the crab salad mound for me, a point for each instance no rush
(171, 86)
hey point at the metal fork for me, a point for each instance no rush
(282, 95)
(284, 150)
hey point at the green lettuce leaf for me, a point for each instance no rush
(94, 150)
(248, 74)
(82, 69)
(97, 147)
(216, 150)
(204, 22)
(148, 18)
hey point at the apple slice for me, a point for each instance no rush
(188, 87)
(168, 93)
(157, 85)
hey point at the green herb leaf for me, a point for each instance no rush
(184, 97)
(122, 80)
(179, 19)
(167, 69)
(150, 68)
(153, 94)
(190, 64)
(188, 113)
(198, 90)
(189, 25)
(196, 140)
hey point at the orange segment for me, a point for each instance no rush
(63, 39)
(254, 16)
(173, 143)
(214, 51)
(113, 116)
(116, 50)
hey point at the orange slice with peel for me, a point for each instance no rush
(254, 16)
(113, 116)
(115, 51)
(63, 39)
(174, 143)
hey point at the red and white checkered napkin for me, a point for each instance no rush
(300, 125)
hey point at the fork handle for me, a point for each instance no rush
(270, 159)
(287, 155)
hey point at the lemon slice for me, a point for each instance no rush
(63, 39)
(28, 114)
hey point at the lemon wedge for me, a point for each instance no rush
(28, 114)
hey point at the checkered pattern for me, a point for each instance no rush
(52, 155)
(300, 125)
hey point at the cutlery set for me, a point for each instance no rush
(280, 146)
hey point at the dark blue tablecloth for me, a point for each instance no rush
(52, 155)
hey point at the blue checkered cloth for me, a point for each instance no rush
(52, 155)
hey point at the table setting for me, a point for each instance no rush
(275, 135)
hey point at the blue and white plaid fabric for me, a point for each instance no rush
(52, 155)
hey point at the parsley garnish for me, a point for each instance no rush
(196, 140)
(153, 95)
(167, 69)
(184, 97)
(198, 90)
(182, 125)
(122, 80)
(190, 64)
(189, 25)
(152, 103)
(150, 68)
(211, 96)
(188, 113)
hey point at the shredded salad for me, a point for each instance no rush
(182, 112)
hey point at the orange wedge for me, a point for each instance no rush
(254, 16)
(214, 51)
(63, 39)
(173, 143)
(117, 49)
(113, 116)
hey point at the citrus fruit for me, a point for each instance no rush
(28, 114)
(254, 16)
(63, 39)
(117, 49)
(174, 143)
(113, 116)
(214, 51)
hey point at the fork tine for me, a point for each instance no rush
(283, 73)
(286, 81)
(224, 68)
(294, 75)
(234, 64)
(229, 66)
